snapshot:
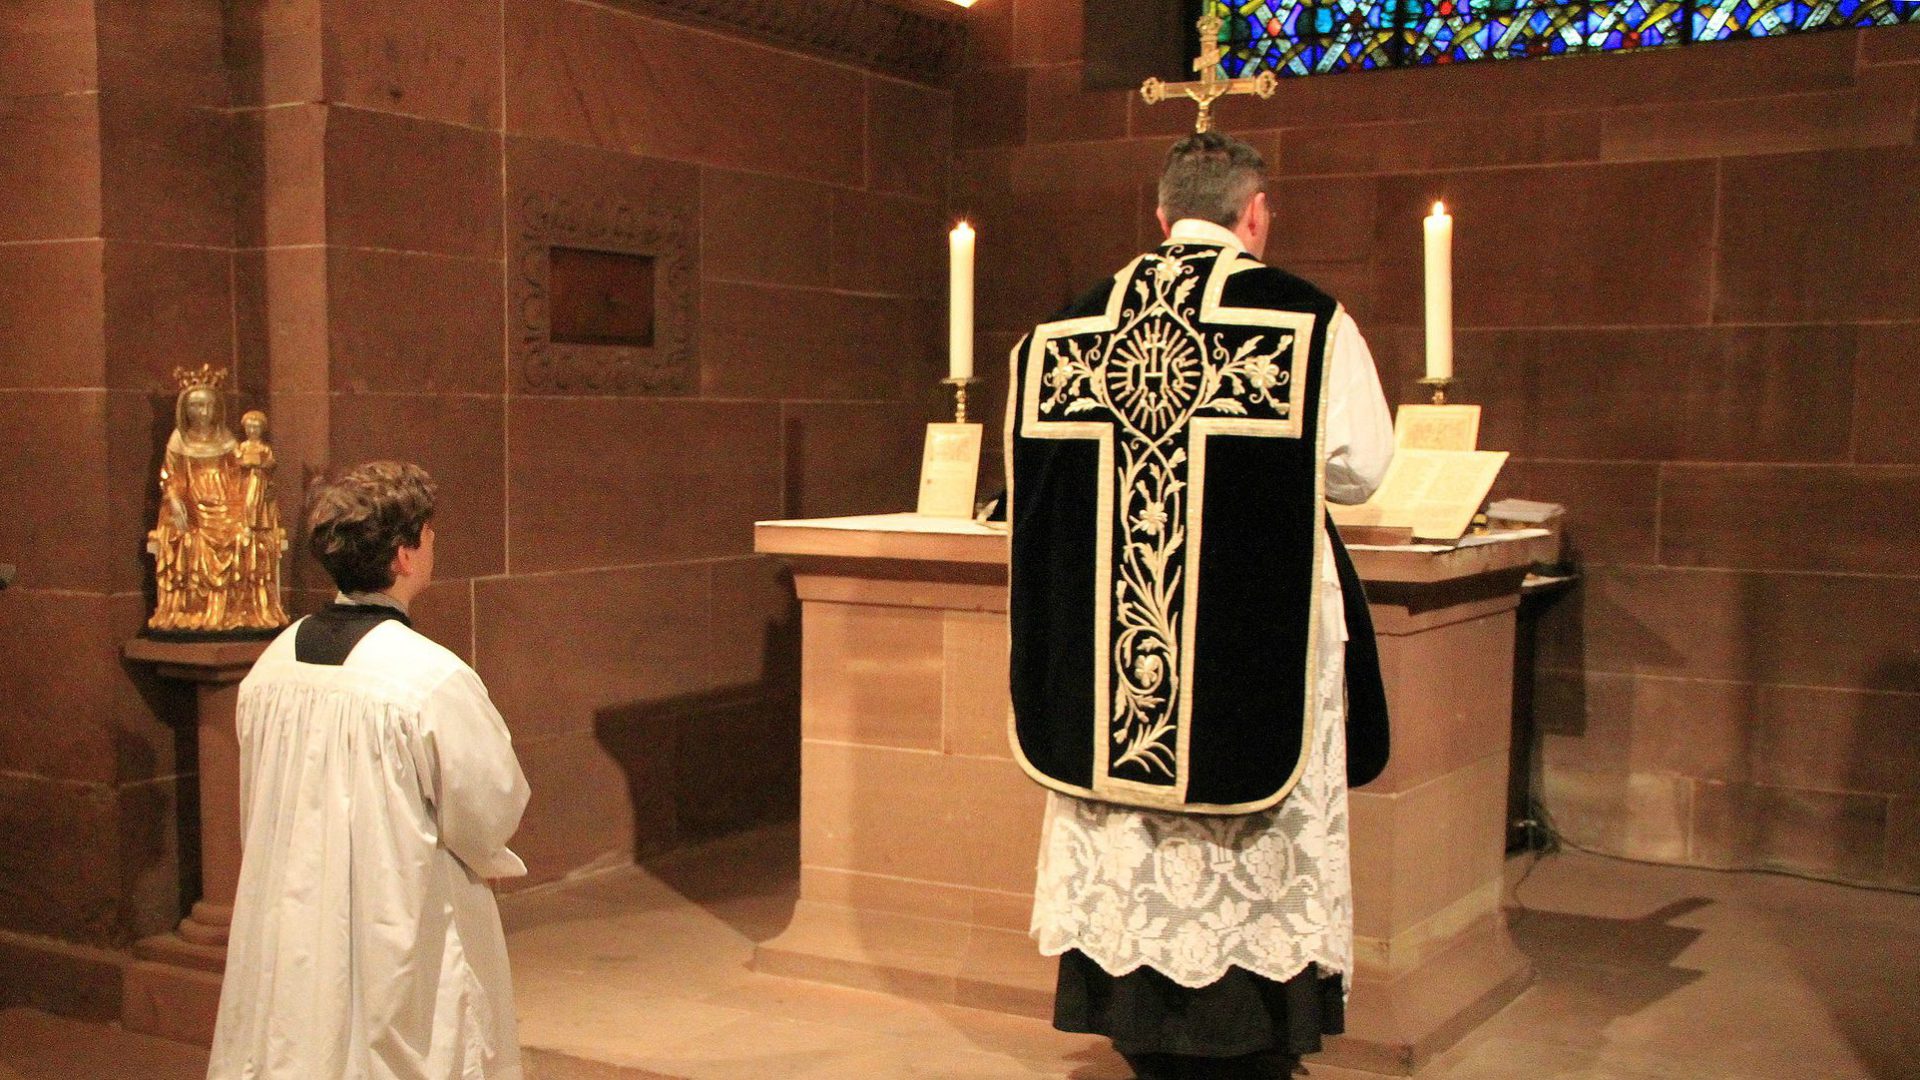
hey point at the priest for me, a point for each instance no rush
(378, 789)
(1192, 671)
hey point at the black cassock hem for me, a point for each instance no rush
(1144, 1012)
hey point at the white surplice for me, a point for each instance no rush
(376, 798)
(1191, 896)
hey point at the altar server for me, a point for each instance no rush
(378, 789)
(1193, 672)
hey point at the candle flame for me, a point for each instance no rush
(963, 227)
(1439, 208)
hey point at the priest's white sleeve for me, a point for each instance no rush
(472, 778)
(1359, 432)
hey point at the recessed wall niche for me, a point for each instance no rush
(600, 297)
(605, 295)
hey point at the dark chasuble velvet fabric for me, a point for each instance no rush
(1368, 733)
(1167, 501)
(328, 636)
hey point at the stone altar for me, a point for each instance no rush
(918, 832)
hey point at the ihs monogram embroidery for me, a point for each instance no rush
(1159, 383)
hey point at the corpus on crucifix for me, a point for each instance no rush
(1210, 87)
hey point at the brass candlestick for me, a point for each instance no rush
(1439, 387)
(959, 398)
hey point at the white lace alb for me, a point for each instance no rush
(1192, 895)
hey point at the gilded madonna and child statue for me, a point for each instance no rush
(218, 542)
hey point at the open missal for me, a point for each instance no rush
(1437, 481)
(1433, 492)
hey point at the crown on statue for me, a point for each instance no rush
(204, 375)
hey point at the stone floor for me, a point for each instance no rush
(1645, 973)
(35, 1046)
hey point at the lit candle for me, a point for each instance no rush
(1439, 293)
(960, 303)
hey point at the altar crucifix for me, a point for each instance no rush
(1210, 87)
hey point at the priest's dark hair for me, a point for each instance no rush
(357, 523)
(1210, 176)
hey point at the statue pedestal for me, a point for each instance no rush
(918, 833)
(173, 985)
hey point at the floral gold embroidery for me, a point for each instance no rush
(1157, 371)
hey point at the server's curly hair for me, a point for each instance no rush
(356, 524)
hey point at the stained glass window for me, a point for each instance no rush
(1311, 37)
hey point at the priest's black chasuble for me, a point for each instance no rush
(1167, 505)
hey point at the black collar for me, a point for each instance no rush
(328, 637)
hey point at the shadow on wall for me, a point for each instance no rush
(715, 762)
(1598, 787)
(160, 837)
(704, 765)
(1523, 750)
(1550, 697)
(160, 422)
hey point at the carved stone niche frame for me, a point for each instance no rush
(668, 367)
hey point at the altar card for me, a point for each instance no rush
(949, 469)
(1437, 427)
(1435, 493)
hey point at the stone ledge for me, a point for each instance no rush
(62, 978)
(915, 39)
(1396, 1026)
(171, 1002)
(908, 956)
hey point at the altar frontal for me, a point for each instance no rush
(1166, 501)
